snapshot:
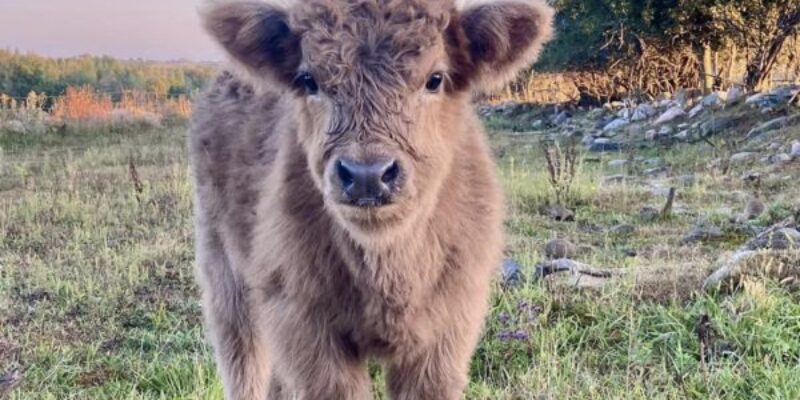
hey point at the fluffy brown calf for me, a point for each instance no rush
(346, 203)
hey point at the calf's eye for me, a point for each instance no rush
(434, 82)
(308, 83)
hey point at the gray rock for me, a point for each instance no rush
(682, 135)
(754, 99)
(716, 125)
(622, 230)
(703, 235)
(665, 130)
(712, 100)
(670, 115)
(588, 140)
(776, 239)
(561, 213)
(768, 126)
(616, 124)
(695, 111)
(511, 273)
(735, 94)
(537, 124)
(614, 179)
(561, 118)
(653, 172)
(604, 146)
(779, 159)
(559, 248)
(617, 163)
(743, 157)
(795, 150)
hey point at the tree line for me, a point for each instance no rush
(21, 74)
(625, 47)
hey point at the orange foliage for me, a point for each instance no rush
(81, 104)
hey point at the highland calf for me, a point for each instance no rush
(346, 205)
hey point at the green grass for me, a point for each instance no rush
(98, 301)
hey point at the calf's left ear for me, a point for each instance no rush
(499, 38)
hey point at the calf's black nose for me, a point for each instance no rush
(368, 183)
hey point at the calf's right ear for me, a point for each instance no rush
(257, 35)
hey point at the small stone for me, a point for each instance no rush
(703, 234)
(588, 140)
(559, 248)
(665, 130)
(682, 135)
(617, 163)
(537, 124)
(622, 230)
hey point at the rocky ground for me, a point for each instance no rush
(737, 154)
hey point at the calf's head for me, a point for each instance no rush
(380, 86)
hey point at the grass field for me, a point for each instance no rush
(97, 298)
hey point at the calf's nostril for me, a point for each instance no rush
(391, 173)
(345, 174)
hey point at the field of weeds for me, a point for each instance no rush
(97, 298)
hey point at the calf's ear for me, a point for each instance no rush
(257, 35)
(499, 38)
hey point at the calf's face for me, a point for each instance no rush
(381, 86)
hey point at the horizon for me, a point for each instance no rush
(141, 30)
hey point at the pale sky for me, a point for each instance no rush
(149, 29)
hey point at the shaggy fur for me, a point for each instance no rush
(299, 289)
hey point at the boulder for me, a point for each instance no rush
(780, 238)
(696, 110)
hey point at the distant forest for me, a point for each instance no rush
(22, 73)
